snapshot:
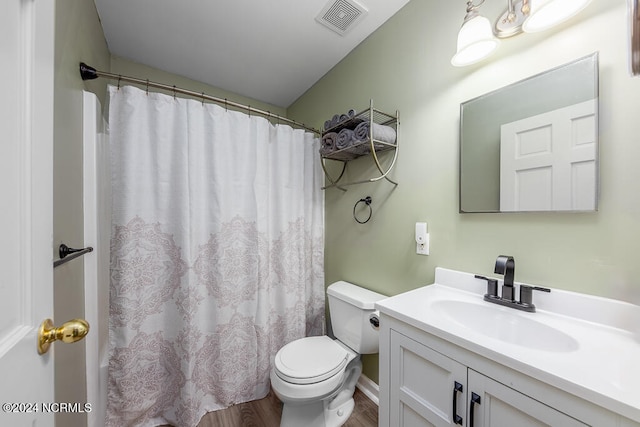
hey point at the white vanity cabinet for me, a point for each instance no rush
(448, 358)
(428, 388)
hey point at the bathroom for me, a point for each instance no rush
(405, 66)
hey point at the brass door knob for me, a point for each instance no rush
(71, 331)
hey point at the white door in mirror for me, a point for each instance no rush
(548, 161)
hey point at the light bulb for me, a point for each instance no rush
(548, 13)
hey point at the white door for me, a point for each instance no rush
(548, 161)
(26, 173)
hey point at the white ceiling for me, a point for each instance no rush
(269, 50)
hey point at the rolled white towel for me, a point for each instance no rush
(380, 133)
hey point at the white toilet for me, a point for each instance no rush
(315, 377)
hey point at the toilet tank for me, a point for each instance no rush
(349, 308)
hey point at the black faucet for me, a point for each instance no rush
(505, 264)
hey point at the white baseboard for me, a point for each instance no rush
(369, 388)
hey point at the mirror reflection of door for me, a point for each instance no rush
(481, 119)
(548, 161)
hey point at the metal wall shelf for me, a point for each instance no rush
(370, 147)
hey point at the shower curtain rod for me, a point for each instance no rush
(89, 73)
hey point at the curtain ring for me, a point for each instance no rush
(174, 91)
(225, 105)
(203, 99)
(147, 87)
(119, 78)
(367, 201)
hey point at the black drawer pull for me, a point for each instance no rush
(457, 388)
(475, 399)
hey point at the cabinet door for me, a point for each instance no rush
(501, 406)
(423, 386)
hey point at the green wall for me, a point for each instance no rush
(405, 66)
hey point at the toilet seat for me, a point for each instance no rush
(310, 360)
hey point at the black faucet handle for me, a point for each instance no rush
(526, 293)
(492, 285)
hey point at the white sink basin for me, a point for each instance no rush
(506, 325)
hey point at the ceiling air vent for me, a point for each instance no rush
(341, 15)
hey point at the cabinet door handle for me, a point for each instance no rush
(475, 399)
(457, 388)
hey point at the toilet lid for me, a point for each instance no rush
(310, 360)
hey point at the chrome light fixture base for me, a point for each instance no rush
(510, 22)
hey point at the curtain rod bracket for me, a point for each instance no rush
(87, 72)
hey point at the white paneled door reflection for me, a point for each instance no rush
(548, 161)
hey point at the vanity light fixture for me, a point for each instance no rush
(476, 40)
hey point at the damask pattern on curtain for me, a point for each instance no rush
(216, 255)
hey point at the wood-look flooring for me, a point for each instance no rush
(266, 413)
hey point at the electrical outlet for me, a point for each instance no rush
(422, 239)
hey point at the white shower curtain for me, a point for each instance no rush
(216, 255)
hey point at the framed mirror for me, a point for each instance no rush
(532, 146)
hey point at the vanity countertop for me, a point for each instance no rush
(585, 345)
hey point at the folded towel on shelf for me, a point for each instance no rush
(328, 145)
(345, 139)
(379, 132)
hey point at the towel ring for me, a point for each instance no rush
(367, 201)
